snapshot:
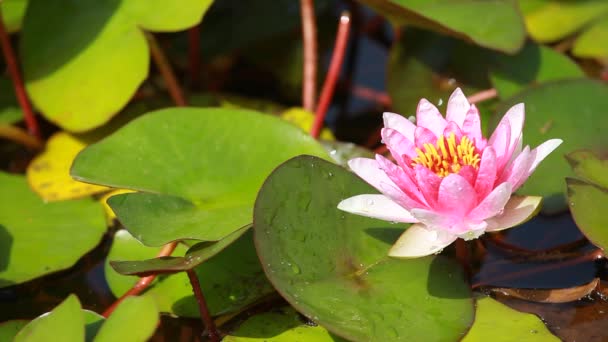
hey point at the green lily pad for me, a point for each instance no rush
(134, 320)
(342, 152)
(571, 110)
(200, 168)
(458, 18)
(532, 65)
(497, 322)
(334, 267)
(230, 280)
(9, 329)
(38, 238)
(66, 320)
(588, 198)
(594, 41)
(284, 325)
(196, 255)
(12, 14)
(73, 52)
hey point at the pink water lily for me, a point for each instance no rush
(448, 179)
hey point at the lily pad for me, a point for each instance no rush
(455, 18)
(12, 14)
(284, 325)
(497, 322)
(134, 320)
(532, 65)
(594, 41)
(38, 238)
(571, 110)
(72, 52)
(334, 267)
(230, 280)
(588, 198)
(200, 169)
(66, 320)
(9, 329)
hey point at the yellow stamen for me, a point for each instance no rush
(448, 155)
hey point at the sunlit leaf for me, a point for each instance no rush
(133, 320)
(12, 13)
(38, 238)
(66, 320)
(9, 329)
(200, 169)
(594, 41)
(334, 267)
(497, 322)
(304, 119)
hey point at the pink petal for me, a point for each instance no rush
(400, 124)
(452, 128)
(428, 116)
(499, 141)
(370, 171)
(468, 172)
(486, 175)
(418, 241)
(376, 206)
(458, 106)
(398, 145)
(424, 136)
(442, 221)
(515, 116)
(493, 204)
(428, 183)
(472, 126)
(517, 171)
(535, 157)
(401, 179)
(518, 210)
(456, 196)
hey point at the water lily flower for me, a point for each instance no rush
(449, 180)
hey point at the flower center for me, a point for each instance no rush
(448, 155)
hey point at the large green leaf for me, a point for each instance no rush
(66, 322)
(230, 280)
(38, 238)
(573, 111)
(594, 41)
(283, 325)
(9, 329)
(534, 64)
(334, 268)
(84, 60)
(133, 320)
(588, 198)
(12, 13)
(497, 322)
(200, 168)
(493, 24)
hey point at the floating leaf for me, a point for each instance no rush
(49, 173)
(532, 65)
(550, 295)
(133, 320)
(594, 41)
(455, 18)
(282, 326)
(65, 321)
(588, 198)
(497, 322)
(38, 238)
(334, 267)
(110, 215)
(12, 14)
(201, 169)
(570, 110)
(9, 329)
(72, 52)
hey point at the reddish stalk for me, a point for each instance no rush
(194, 55)
(483, 95)
(13, 69)
(332, 74)
(164, 67)
(214, 336)
(370, 94)
(20, 136)
(595, 255)
(309, 37)
(143, 283)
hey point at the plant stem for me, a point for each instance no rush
(18, 135)
(143, 283)
(332, 74)
(164, 67)
(194, 55)
(483, 95)
(13, 69)
(309, 38)
(214, 336)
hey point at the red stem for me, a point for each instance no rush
(483, 95)
(143, 283)
(309, 37)
(13, 69)
(373, 95)
(194, 55)
(332, 74)
(214, 336)
(164, 67)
